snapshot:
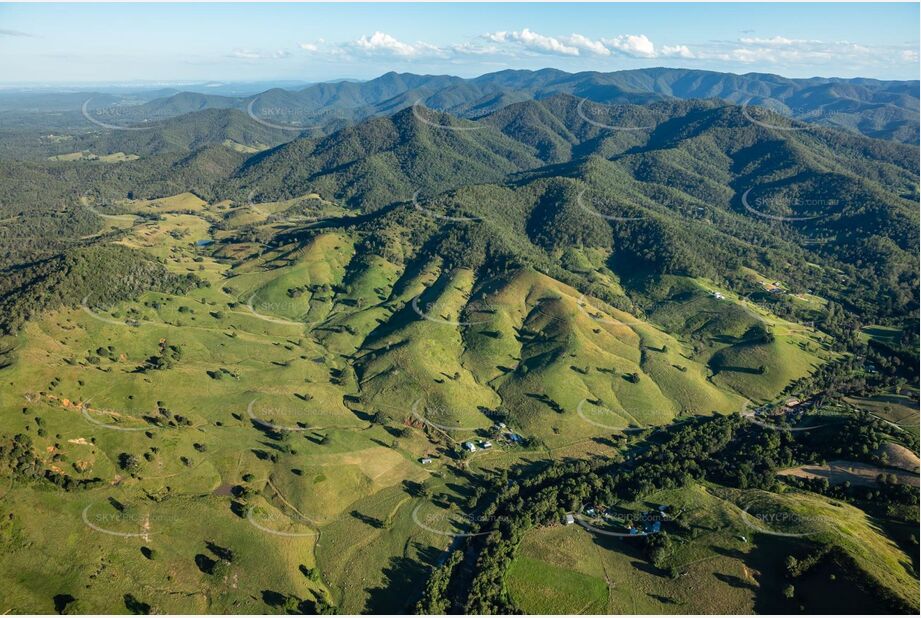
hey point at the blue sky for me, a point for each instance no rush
(250, 42)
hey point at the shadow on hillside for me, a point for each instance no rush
(403, 582)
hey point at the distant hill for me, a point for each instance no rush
(382, 160)
(693, 188)
(186, 132)
(701, 191)
(882, 109)
(45, 124)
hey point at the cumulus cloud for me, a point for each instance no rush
(676, 51)
(637, 45)
(383, 42)
(582, 42)
(781, 52)
(633, 45)
(534, 42)
(765, 51)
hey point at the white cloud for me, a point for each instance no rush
(748, 55)
(676, 51)
(769, 53)
(256, 54)
(383, 42)
(583, 42)
(636, 45)
(476, 49)
(633, 45)
(774, 40)
(781, 52)
(534, 42)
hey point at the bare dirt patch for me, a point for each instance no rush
(857, 473)
(900, 457)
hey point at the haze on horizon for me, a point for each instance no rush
(174, 43)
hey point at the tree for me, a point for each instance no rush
(129, 463)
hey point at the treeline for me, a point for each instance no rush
(18, 455)
(100, 275)
(728, 450)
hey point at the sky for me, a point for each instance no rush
(174, 43)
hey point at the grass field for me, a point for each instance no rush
(883, 334)
(901, 410)
(115, 157)
(280, 412)
(714, 574)
(729, 560)
(724, 334)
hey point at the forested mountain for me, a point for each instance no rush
(820, 194)
(807, 195)
(370, 164)
(883, 109)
